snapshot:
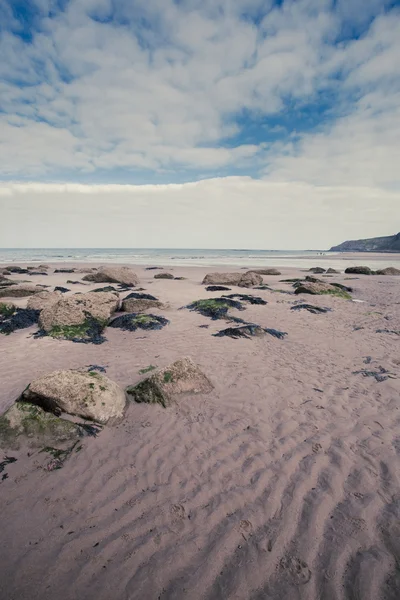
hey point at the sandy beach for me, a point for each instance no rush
(283, 483)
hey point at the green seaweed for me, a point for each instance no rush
(167, 376)
(147, 369)
(6, 310)
(147, 392)
(338, 293)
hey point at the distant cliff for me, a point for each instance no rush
(390, 243)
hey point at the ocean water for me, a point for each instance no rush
(190, 257)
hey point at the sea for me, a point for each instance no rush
(193, 257)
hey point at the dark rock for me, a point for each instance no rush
(247, 298)
(217, 288)
(359, 270)
(311, 308)
(61, 289)
(20, 319)
(275, 333)
(316, 270)
(321, 289)
(138, 296)
(330, 270)
(18, 270)
(89, 332)
(74, 282)
(37, 273)
(124, 287)
(345, 288)
(107, 288)
(163, 276)
(179, 278)
(64, 270)
(295, 280)
(215, 308)
(135, 321)
(247, 331)
(96, 368)
(153, 268)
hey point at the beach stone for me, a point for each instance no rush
(330, 270)
(249, 279)
(316, 270)
(44, 267)
(89, 395)
(87, 270)
(43, 300)
(25, 422)
(20, 291)
(163, 276)
(74, 310)
(359, 270)
(137, 305)
(167, 385)
(16, 269)
(388, 271)
(62, 270)
(222, 278)
(113, 275)
(267, 271)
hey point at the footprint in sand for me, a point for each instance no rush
(245, 527)
(177, 512)
(295, 569)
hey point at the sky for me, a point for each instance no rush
(198, 123)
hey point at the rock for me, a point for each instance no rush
(75, 317)
(113, 275)
(61, 289)
(321, 288)
(20, 318)
(316, 270)
(89, 395)
(163, 276)
(215, 308)
(43, 267)
(249, 330)
(168, 384)
(107, 288)
(249, 279)
(135, 321)
(332, 271)
(311, 308)
(69, 281)
(153, 268)
(222, 279)
(180, 278)
(64, 270)
(137, 305)
(267, 271)
(37, 273)
(14, 269)
(24, 422)
(87, 270)
(359, 270)
(20, 291)
(43, 300)
(388, 271)
(138, 296)
(217, 288)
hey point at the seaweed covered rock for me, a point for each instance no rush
(30, 424)
(317, 310)
(89, 395)
(247, 298)
(217, 288)
(140, 296)
(267, 271)
(20, 318)
(222, 278)
(44, 267)
(215, 308)
(321, 289)
(167, 385)
(388, 271)
(43, 300)
(20, 291)
(163, 276)
(135, 321)
(138, 305)
(249, 330)
(113, 275)
(316, 270)
(359, 270)
(250, 279)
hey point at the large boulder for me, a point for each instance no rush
(138, 305)
(388, 271)
(113, 275)
(74, 310)
(43, 300)
(267, 271)
(165, 386)
(249, 279)
(89, 395)
(317, 288)
(24, 422)
(222, 278)
(359, 270)
(20, 291)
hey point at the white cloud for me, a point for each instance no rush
(235, 212)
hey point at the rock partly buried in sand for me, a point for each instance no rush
(250, 279)
(60, 288)
(217, 288)
(43, 300)
(138, 305)
(249, 330)
(81, 317)
(89, 395)
(222, 278)
(359, 270)
(25, 422)
(64, 270)
(307, 287)
(165, 386)
(18, 270)
(113, 275)
(330, 270)
(106, 288)
(135, 321)
(388, 271)
(316, 270)
(20, 291)
(267, 271)
(163, 276)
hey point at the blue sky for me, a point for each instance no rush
(158, 92)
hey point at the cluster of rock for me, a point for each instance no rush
(367, 271)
